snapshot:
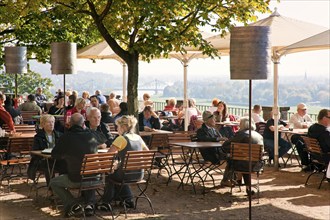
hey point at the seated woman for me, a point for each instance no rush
(79, 107)
(106, 114)
(123, 110)
(171, 105)
(192, 110)
(14, 113)
(45, 138)
(242, 136)
(221, 114)
(58, 107)
(126, 141)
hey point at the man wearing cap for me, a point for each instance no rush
(208, 133)
(301, 120)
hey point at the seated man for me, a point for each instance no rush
(94, 123)
(41, 99)
(72, 147)
(242, 136)
(256, 111)
(301, 120)
(320, 131)
(283, 145)
(30, 105)
(148, 120)
(208, 133)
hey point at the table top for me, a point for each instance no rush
(149, 133)
(230, 123)
(294, 131)
(23, 135)
(40, 154)
(38, 116)
(198, 144)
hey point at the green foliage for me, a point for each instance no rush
(27, 83)
(133, 28)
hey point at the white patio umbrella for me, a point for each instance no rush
(102, 50)
(319, 41)
(185, 58)
(284, 31)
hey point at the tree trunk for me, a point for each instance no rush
(132, 84)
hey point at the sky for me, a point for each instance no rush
(312, 63)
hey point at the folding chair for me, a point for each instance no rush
(159, 142)
(239, 160)
(94, 167)
(178, 156)
(317, 158)
(17, 156)
(134, 162)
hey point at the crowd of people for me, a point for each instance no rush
(85, 130)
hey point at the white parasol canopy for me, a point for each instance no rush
(102, 50)
(319, 41)
(284, 31)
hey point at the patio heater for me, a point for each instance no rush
(250, 59)
(63, 60)
(16, 62)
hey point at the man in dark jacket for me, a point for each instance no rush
(148, 120)
(72, 147)
(242, 136)
(94, 123)
(208, 133)
(321, 132)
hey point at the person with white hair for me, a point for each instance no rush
(301, 120)
(100, 97)
(241, 136)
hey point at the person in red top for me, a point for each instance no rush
(5, 117)
(79, 107)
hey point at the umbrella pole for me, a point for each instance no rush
(185, 91)
(64, 94)
(124, 82)
(250, 150)
(275, 111)
(15, 85)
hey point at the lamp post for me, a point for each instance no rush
(250, 58)
(63, 59)
(16, 62)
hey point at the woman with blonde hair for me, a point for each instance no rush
(45, 138)
(126, 141)
(85, 95)
(79, 107)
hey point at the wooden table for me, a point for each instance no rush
(149, 133)
(22, 135)
(194, 158)
(230, 123)
(288, 133)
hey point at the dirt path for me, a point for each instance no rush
(283, 196)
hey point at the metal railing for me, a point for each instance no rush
(238, 111)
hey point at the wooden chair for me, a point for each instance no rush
(27, 116)
(239, 160)
(159, 142)
(93, 170)
(317, 158)
(18, 156)
(134, 162)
